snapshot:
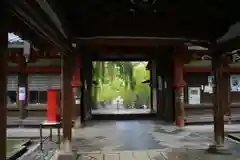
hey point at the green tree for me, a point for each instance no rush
(142, 90)
(107, 72)
(123, 79)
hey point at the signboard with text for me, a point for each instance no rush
(21, 93)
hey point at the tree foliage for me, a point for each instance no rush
(121, 79)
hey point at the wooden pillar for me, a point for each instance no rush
(178, 85)
(219, 101)
(67, 101)
(168, 89)
(89, 75)
(227, 90)
(160, 107)
(22, 92)
(4, 12)
(82, 107)
(154, 86)
(77, 109)
(86, 88)
(76, 93)
(83, 89)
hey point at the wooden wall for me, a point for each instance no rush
(204, 110)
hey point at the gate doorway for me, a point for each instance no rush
(119, 88)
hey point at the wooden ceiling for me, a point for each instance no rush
(206, 20)
(190, 20)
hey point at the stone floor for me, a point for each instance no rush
(140, 140)
(134, 135)
(156, 155)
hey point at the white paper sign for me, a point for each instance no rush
(210, 80)
(21, 93)
(208, 89)
(194, 95)
(235, 83)
(77, 101)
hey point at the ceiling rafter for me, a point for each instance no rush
(33, 19)
(189, 17)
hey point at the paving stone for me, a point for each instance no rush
(126, 155)
(111, 156)
(91, 156)
(141, 155)
(49, 149)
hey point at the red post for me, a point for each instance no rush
(179, 85)
(52, 105)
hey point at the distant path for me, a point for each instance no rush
(121, 111)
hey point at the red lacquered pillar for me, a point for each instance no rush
(52, 105)
(179, 85)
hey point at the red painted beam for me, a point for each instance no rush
(58, 70)
(15, 53)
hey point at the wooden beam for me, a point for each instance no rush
(53, 16)
(132, 41)
(58, 70)
(15, 54)
(227, 46)
(30, 15)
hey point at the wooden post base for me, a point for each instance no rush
(180, 123)
(219, 149)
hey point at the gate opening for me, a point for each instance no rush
(121, 87)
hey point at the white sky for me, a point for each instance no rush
(14, 38)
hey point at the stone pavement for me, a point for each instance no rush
(209, 128)
(134, 135)
(123, 155)
(35, 153)
(136, 138)
(174, 154)
(145, 138)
